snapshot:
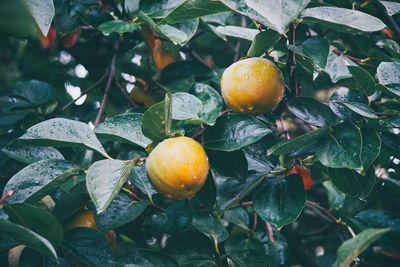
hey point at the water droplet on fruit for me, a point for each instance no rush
(246, 76)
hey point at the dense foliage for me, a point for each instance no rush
(88, 88)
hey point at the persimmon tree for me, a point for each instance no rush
(89, 89)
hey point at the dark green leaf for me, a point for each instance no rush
(352, 183)
(343, 94)
(62, 132)
(341, 148)
(193, 9)
(139, 178)
(342, 19)
(229, 164)
(121, 211)
(39, 179)
(262, 42)
(335, 197)
(238, 217)
(87, 246)
(185, 69)
(212, 102)
(105, 178)
(234, 131)
(359, 108)
(125, 128)
(280, 201)
(379, 218)
(316, 49)
(43, 12)
(210, 226)
(156, 121)
(362, 80)
(311, 111)
(298, 142)
(208, 193)
(350, 249)
(185, 106)
(371, 147)
(143, 257)
(38, 220)
(391, 46)
(118, 26)
(35, 92)
(27, 237)
(392, 8)
(274, 15)
(30, 154)
(391, 140)
(337, 66)
(252, 258)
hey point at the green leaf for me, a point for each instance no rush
(379, 218)
(262, 42)
(341, 148)
(392, 8)
(352, 248)
(105, 178)
(139, 178)
(391, 140)
(362, 80)
(352, 183)
(234, 131)
(71, 202)
(238, 32)
(176, 218)
(39, 179)
(30, 154)
(253, 258)
(118, 26)
(335, 197)
(192, 9)
(238, 217)
(280, 201)
(346, 95)
(125, 128)
(156, 121)
(360, 108)
(60, 133)
(43, 12)
(371, 147)
(185, 69)
(210, 226)
(38, 220)
(208, 193)
(28, 238)
(337, 66)
(342, 19)
(121, 211)
(144, 257)
(391, 46)
(311, 111)
(211, 100)
(316, 49)
(229, 164)
(185, 106)
(298, 142)
(87, 247)
(274, 15)
(388, 77)
(35, 92)
(179, 33)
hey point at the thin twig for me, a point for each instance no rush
(108, 86)
(255, 222)
(90, 88)
(243, 204)
(123, 91)
(285, 129)
(270, 232)
(8, 194)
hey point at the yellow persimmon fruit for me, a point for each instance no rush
(252, 86)
(86, 219)
(177, 167)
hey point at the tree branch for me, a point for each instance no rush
(130, 100)
(108, 86)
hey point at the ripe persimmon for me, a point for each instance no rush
(252, 86)
(177, 167)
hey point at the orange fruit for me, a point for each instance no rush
(177, 167)
(252, 86)
(305, 174)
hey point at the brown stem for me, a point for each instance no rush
(337, 51)
(82, 94)
(270, 232)
(123, 91)
(9, 194)
(285, 129)
(243, 204)
(255, 222)
(108, 86)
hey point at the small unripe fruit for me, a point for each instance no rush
(252, 86)
(177, 168)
